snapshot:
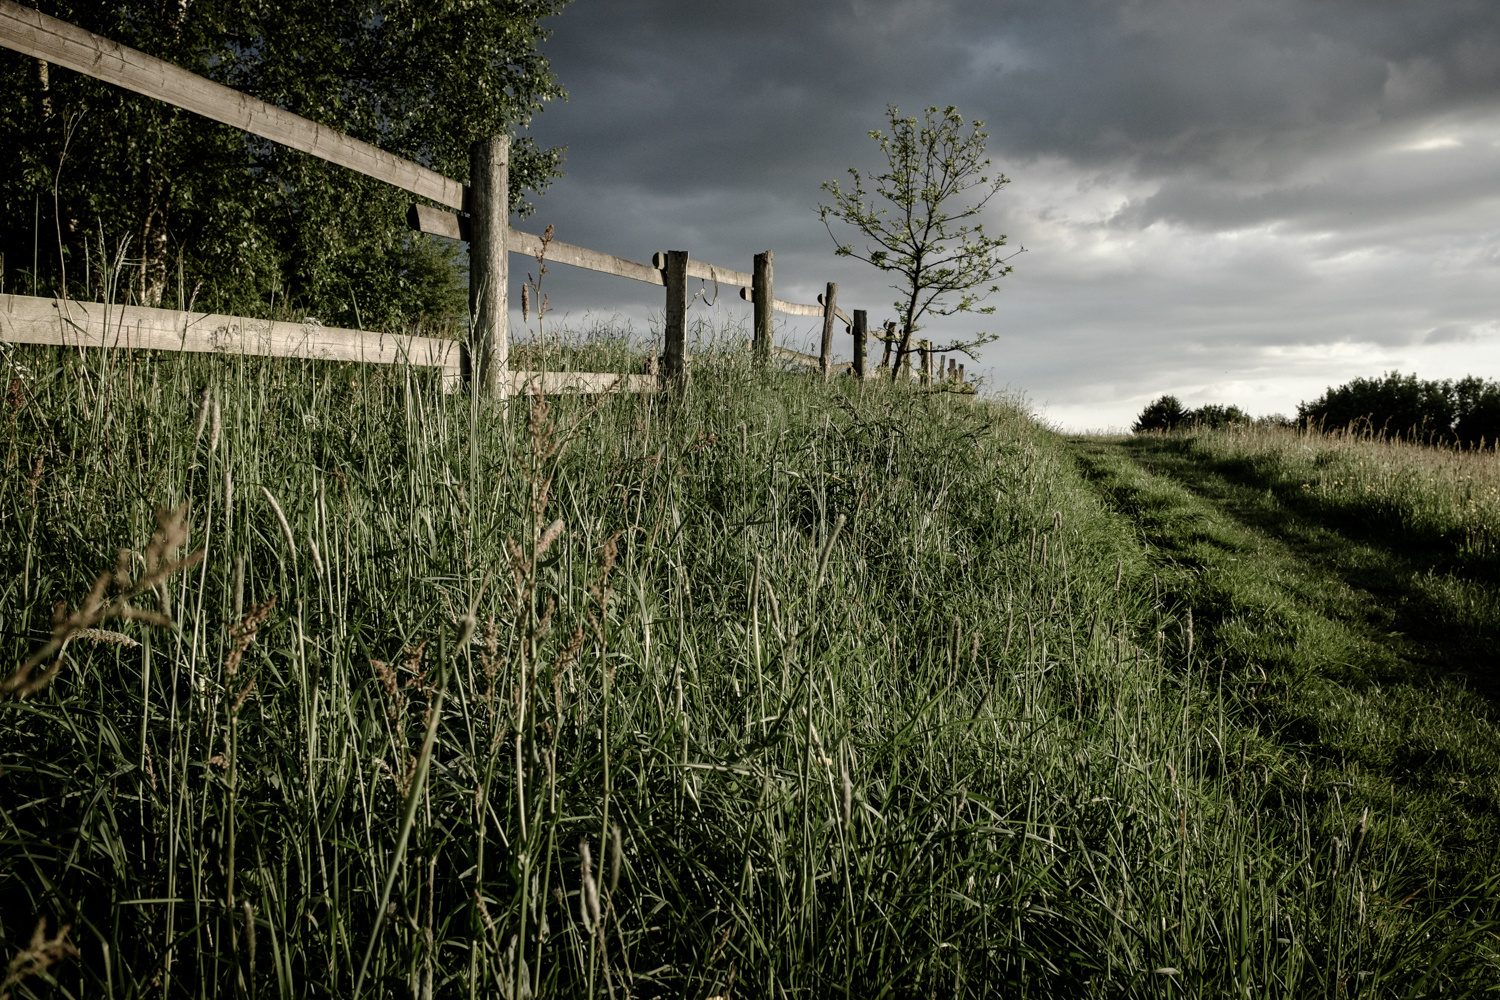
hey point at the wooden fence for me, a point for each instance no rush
(484, 225)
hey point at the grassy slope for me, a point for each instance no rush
(964, 747)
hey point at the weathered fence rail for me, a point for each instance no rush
(26, 319)
(35, 34)
(484, 226)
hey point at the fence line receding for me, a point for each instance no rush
(483, 225)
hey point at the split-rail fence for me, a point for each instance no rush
(477, 213)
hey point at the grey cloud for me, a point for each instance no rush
(710, 125)
(1397, 189)
(1451, 333)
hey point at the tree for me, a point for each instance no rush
(1167, 413)
(920, 220)
(1400, 405)
(1161, 415)
(1216, 416)
(240, 221)
(1464, 412)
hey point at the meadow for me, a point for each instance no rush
(1443, 499)
(758, 687)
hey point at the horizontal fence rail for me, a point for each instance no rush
(782, 306)
(26, 319)
(481, 221)
(35, 34)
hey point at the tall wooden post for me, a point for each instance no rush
(674, 358)
(489, 270)
(860, 330)
(830, 313)
(890, 334)
(762, 295)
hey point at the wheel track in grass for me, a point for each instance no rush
(1359, 658)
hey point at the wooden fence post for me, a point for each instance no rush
(765, 313)
(489, 270)
(674, 358)
(830, 313)
(860, 329)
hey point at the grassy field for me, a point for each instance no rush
(1350, 589)
(761, 688)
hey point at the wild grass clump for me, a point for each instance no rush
(758, 687)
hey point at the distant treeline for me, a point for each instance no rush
(1465, 411)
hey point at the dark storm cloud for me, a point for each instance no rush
(1364, 135)
(746, 89)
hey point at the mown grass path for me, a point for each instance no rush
(1366, 663)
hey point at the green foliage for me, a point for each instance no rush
(202, 211)
(818, 688)
(1466, 411)
(919, 220)
(1161, 415)
(1215, 416)
(1477, 402)
(1167, 413)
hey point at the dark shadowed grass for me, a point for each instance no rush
(1359, 657)
(762, 687)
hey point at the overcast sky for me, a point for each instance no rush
(1235, 201)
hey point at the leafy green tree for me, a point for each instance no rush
(1161, 415)
(920, 221)
(1478, 405)
(1167, 413)
(1395, 404)
(237, 223)
(1217, 416)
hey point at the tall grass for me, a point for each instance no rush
(761, 687)
(1437, 496)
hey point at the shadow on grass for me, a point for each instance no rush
(1366, 668)
(1436, 551)
(1417, 605)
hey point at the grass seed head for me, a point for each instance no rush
(590, 889)
(41, 954)
(616, 852)
(171, 533)
(203, 406)
(552, 533)
(243, 634)
(105, 635)
(286, 529)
